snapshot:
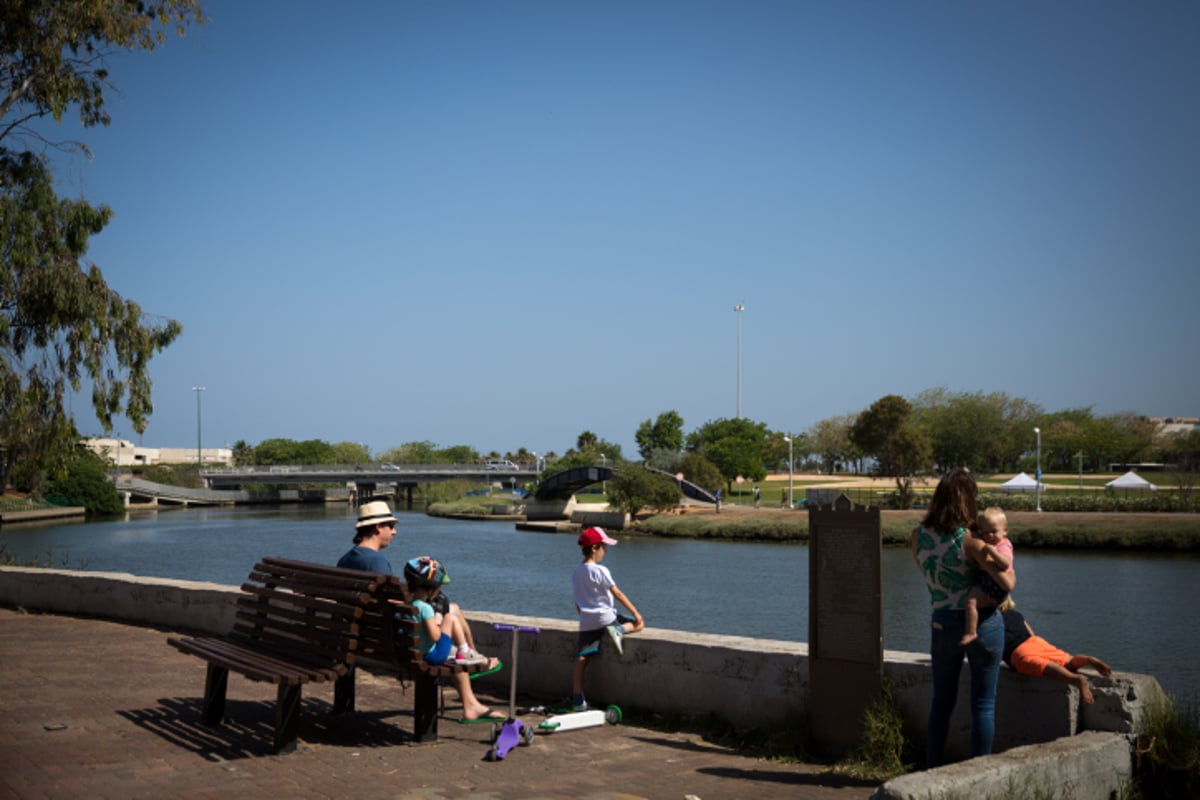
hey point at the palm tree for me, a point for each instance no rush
(586, 440)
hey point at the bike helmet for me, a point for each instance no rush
(425, 571)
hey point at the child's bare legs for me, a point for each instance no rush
(577, 674)
(472, 708)
(458, 631)
(457, 613)
(452, 625)
(971, 628)
(1081, 660)
(1070, 674)
(1073, 678)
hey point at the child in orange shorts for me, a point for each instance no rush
(1030, 654)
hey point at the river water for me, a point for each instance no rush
(1130, 610)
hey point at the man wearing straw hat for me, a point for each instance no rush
(374, 530)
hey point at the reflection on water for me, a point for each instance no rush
(1129, 610)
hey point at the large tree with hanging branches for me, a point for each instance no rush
(60, 322)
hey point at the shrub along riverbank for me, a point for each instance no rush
(1081, 531)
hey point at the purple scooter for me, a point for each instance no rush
(513, 732)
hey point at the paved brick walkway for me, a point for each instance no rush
(90, 708)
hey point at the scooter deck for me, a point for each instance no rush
(580, 719)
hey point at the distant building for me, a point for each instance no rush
(124, 453)
(1173, 425)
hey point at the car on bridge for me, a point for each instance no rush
(501, 464)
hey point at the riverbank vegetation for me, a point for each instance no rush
(1168, 749)
(1144, 532)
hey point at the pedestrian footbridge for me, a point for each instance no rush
(564, 484)
(136, 490)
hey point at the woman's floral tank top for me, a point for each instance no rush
(946, 571)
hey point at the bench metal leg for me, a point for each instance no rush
(287, 718)
(425, 708)
(343, 693)
(216, 681)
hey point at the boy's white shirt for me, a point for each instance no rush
(592, 584)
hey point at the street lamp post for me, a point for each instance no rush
(603, 464)
(1038, 480)
(791, 498)
(738, 309)
(199, 459)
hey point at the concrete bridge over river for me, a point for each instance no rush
(557, 486)
(363, 480)
(402, 474)
(229, 485)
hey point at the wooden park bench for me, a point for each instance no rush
(298, 622)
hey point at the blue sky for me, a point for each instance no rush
(502, 223)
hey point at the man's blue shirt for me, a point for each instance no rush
(364, 558)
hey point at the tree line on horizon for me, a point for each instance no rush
(894, 437)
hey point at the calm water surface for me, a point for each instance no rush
(1130, 610)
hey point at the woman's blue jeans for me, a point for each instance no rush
(984, 660)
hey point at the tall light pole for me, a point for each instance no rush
(199, 460)
(738, 309)
(791, 499)
(603, 464)
(1038, 480)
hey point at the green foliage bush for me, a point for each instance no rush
(85, 482)
(461, 509)
(183, 475)
(1166, 534)
(1144, 502)
(634, 488)
(1168, 751)
(446, 491)
(880, 754)
(783, 529)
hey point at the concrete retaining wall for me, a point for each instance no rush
(1084, 767)
(750, 683)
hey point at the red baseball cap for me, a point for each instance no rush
(593, 536)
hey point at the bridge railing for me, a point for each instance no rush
(352, 469)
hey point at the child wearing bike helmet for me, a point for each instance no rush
(442, 635)
(595, 590)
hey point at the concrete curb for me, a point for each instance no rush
(1082, 767)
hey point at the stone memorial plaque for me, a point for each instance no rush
(845, 623)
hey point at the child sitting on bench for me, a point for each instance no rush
(442, 637)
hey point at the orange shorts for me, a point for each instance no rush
(1033, 655)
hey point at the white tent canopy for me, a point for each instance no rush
(1131, 481)
(1021, 483)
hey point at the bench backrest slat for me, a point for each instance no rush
(305, 613)
(307, 601)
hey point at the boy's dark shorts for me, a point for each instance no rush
(589, 641)
(441, 604)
